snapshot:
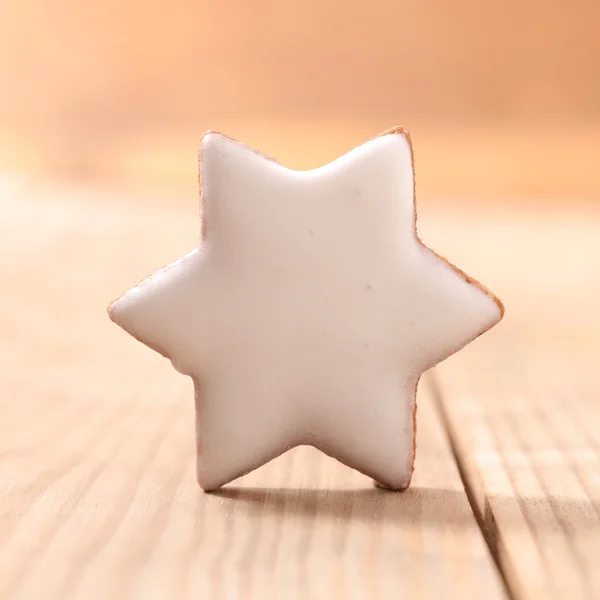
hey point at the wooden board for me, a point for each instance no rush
(522, 404)
(97, 490)
(528, 446)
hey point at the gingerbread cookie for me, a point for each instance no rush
(308, 311)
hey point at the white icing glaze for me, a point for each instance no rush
(308, 312)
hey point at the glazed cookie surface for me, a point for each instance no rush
(308, 311)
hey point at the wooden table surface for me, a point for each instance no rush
(97, 491)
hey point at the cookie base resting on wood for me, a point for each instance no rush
(308, 311)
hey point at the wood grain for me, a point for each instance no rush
(522, 407)
(97, 491)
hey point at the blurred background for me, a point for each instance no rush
(502, 99)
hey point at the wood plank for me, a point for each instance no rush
(97, 491)
(522, 404)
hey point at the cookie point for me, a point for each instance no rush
(207, 484)
(496, 307)
(119, 311)
(114, 310)
(209, 138)
(399, 486)
(398, 131)
(500, 306)
(396, 482)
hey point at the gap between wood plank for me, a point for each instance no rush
(485, 520)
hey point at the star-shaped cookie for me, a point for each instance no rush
(308, 311)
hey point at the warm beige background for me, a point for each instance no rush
(501, 98)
